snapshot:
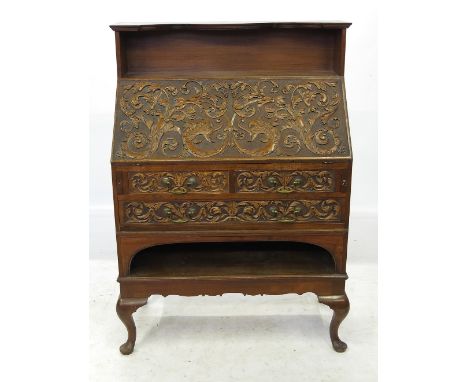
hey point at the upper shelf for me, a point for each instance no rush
(162, 51)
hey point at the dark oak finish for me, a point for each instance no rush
(231, 163)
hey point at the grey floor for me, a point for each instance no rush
(236, 337)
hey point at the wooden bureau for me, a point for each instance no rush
(231, 163)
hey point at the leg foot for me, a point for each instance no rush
(125, 308)
(340, 306)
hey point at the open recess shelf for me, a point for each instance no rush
(232, 259)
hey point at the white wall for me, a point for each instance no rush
(361, 87)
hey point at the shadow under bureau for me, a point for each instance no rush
(231, 163)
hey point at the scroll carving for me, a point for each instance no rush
(232, 211)
(285, 181)
(248, 118)
(178, 182)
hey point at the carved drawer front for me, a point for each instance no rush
(232, 211)
(178, 182)
(285, 182)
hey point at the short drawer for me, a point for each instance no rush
(285, 182)
(232, 211)
(178, 182)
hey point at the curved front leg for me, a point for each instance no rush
(340, 306)
(125, 308)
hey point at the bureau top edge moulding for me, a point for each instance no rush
(231, 162)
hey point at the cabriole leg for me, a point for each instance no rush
(125, 308)
(340, 306)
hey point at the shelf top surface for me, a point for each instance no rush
(133, 27)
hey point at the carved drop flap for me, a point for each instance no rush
(230, 119)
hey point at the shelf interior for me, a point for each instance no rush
(195, 53)
(256, 258)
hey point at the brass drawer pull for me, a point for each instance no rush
(297, 181)
(178, 191)
(192, 181)
(191, 211)
(166, 181)
(272, 181)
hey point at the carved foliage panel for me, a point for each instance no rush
(238, 118)
(285, 181)
(178, 182)
(232, 211)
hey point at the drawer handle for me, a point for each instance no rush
(178, 191)
(297, 210)
(192, 181)
(286, 220)
(297, 181)
(285, 190)
(168, 213)
(274, 211)
(191, 211)
(167, 182)
(272, 181)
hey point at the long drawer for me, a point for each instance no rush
(231, 211)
